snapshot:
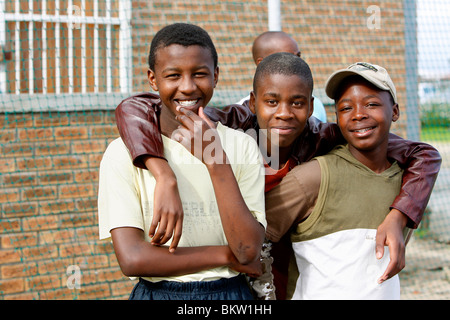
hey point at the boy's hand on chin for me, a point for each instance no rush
(198, 134)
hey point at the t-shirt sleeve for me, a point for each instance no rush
(292, 200)
(118, 198)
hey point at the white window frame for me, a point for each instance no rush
(79, 20)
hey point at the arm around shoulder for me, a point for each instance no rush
(421, 163)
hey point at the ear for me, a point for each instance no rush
(258, 60)
(395, 112)
(152, 79)
(252, 102)
(311, 106)
(216, 76)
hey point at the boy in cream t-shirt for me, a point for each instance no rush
(220, 180)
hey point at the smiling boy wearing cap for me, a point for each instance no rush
(346, 195)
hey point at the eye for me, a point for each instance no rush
(172, 75)
(298, 104)
(271, 102)
(373, 104)
(344, 108)
(200, 74)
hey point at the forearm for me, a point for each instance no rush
(137, 121)
(244, 233)
(139, 258)
(421, 163)
(160, 169)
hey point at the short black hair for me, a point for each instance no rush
(183, 34)
(286, 64)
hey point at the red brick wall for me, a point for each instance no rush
(48, 204)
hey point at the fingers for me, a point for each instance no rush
(380, 240)
(154, 224)
(203, 115)
(396, 264)
(396, 255)
(176, 235)
(158, 237)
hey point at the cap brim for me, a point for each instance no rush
(335, 80)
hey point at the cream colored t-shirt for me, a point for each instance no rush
(126, 193)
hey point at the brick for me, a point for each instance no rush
(7, 136)
(77, 191)
(62, 293)
(39, 193)
(17, 149)
(89, 146)
(102, 275)
(7, 165)
(15, 120)
(18, 240)
(33, 134)
(20, 209)
(86, 117)
(92, 262)
(51, 119)
(19, 179)
(52, 177)
(54, 265)
(78, 220)
(53, 148)
(69, 162)
(74, 249)
(87, 176)
(9, 195)
(43, 282)
(18, 270)
(40, 223)
(69, 133)
(86, 204)
(11, 285)
(39, 253)
(56, 236)
(104, 131)
(36, 163)
(87, 233)
(23, 296)
(97, 291)
(57, 206)
(10, 225)
(9, 256)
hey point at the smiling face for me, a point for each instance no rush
(282, 105)
(184, 76)
(364, 115)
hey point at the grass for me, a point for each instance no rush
(441, 134)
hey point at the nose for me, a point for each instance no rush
(283, 111)
(359, 113)
(187, 84)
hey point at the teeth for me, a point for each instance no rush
(363, 130)
(187, 103)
